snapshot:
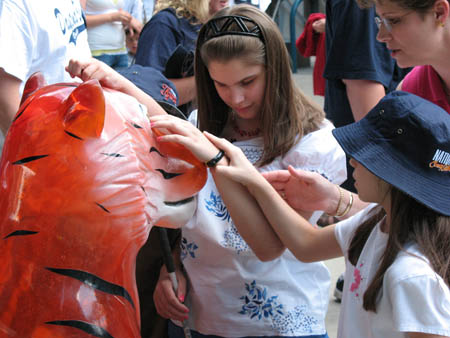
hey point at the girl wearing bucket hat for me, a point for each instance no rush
(396, 249)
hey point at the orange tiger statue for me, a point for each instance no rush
(82, 181)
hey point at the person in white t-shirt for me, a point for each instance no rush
(397, 248)
(240, 285)
(36, 36)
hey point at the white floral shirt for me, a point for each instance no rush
(232, 293)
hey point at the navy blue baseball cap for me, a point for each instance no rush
(152, 82)
(405, 140)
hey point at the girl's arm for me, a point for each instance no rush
(306, 242)
(309, 191)
(242, 206)
(263, 219)
(108, 77)
(99, 19)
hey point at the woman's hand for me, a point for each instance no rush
(167, 303)
(135, 26)
(304, 190)
(183, 132)
(123, 16)
(95, 69)
(319, 26)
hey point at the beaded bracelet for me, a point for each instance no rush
(212, 162)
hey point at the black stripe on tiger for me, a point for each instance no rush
(21, 233)
(112, 154)
(92, 329)
(29, 159)
(73, 135)
(21, 111)
(135, 125)
(153, 149)
(104, 209)
(166, 175)
(94, 282)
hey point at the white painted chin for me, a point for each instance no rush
(176, 214)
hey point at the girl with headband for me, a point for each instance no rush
(241, 285)
(396, 249)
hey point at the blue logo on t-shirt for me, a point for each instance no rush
(71, 24)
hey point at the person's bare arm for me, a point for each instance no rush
(363, 95)
(186, 89)
(108, 77)
(310, 191)
(9, 99)
(243, 208)
(99, 19)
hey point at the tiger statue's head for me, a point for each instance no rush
(82, 181)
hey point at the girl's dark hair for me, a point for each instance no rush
(411, 222)
(287, 114)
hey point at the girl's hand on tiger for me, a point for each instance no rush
(168, 304)
(93, 69)
(183, 132)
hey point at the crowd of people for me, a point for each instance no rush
(249, 263)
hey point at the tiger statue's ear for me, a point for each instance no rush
(34, 82)
(84, 110)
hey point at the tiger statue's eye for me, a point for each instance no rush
(82, 181)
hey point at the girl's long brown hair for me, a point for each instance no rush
(287, 113)
(411, 222)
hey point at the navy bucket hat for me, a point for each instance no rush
(405, 140)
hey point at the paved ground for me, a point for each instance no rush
(303, 79)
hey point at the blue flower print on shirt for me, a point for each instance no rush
(294, 321)
(217, 207)
(187, 248)
(258, 305)
(233, 240)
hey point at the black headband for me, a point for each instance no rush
(224, 26)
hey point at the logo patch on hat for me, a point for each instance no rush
(168, 93)
(441, 160)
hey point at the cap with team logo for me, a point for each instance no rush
(405, 140)
(152, 82)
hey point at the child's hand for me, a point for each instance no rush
(183, 132)
(167, 303)
(95, 69)
(239, 168)
(304, 190)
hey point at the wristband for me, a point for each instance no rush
(212, 162)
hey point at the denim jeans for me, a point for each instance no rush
(177, 332)
(115, 61)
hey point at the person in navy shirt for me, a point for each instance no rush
(359, 70)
